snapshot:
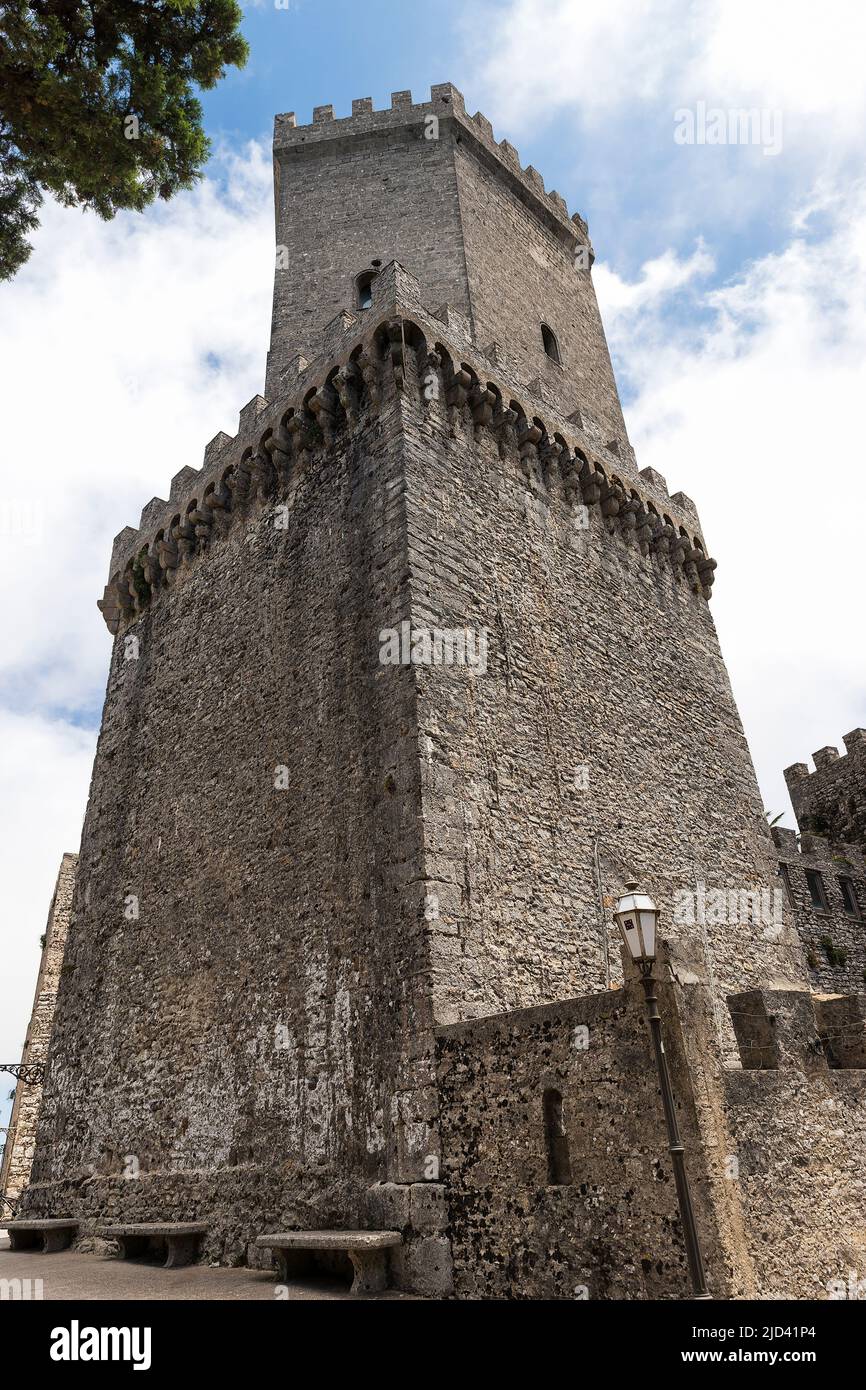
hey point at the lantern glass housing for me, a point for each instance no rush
(637, 916)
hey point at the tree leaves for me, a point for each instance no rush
(97, 104)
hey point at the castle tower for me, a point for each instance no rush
(407, 680)
(431, 188)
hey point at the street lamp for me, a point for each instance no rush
(637, 918)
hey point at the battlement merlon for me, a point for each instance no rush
(396, 295)
(446, 104)
(828, 757)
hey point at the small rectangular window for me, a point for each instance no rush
(849, 897)
(786, 880)
(817, 891)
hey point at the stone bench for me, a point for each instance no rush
(36, 1233)
(181, 1239)
(368, 1251)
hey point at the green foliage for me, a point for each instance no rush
(836, 955)
(775, 820)
(97, 104)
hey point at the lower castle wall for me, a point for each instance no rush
(614, 1231)
(800, 1144)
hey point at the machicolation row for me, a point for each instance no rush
(397, 349)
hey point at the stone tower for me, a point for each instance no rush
(307, 858)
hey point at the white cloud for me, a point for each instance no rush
(126, 346)
(537, 58)
(611, 78)
(754, 411)
(659, 278)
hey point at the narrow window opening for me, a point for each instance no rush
(817, 891)
(556, 1140)
(786, 880)
(551, 346)
(364, 289)
(849, 897)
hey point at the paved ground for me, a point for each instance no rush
(70, 1275)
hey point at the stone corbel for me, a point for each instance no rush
(279, 446)
(346, 385)
(590, 483)
(201, 518)
(482, 403)
(186, 541)
(367, 368)
(628, 517)
(262, 473)
(396, 351)
(706, 571)
(322, 407)
(457, 390)
(612, 498)
(150, 568)
(529, 436)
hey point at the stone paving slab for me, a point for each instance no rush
(77, 1276)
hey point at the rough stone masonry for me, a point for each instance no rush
(340, 951)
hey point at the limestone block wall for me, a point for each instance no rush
(21, 1138)
(601, 742)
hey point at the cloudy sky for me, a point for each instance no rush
(732, 280)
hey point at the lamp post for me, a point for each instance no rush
(637, 918)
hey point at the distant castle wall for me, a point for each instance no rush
(796, 1128)
(831, 801)
(21, 1138)
(826, 884)
(825, 867)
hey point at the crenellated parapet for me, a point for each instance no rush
(397, 349)
(831, 801)
(446, 104)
